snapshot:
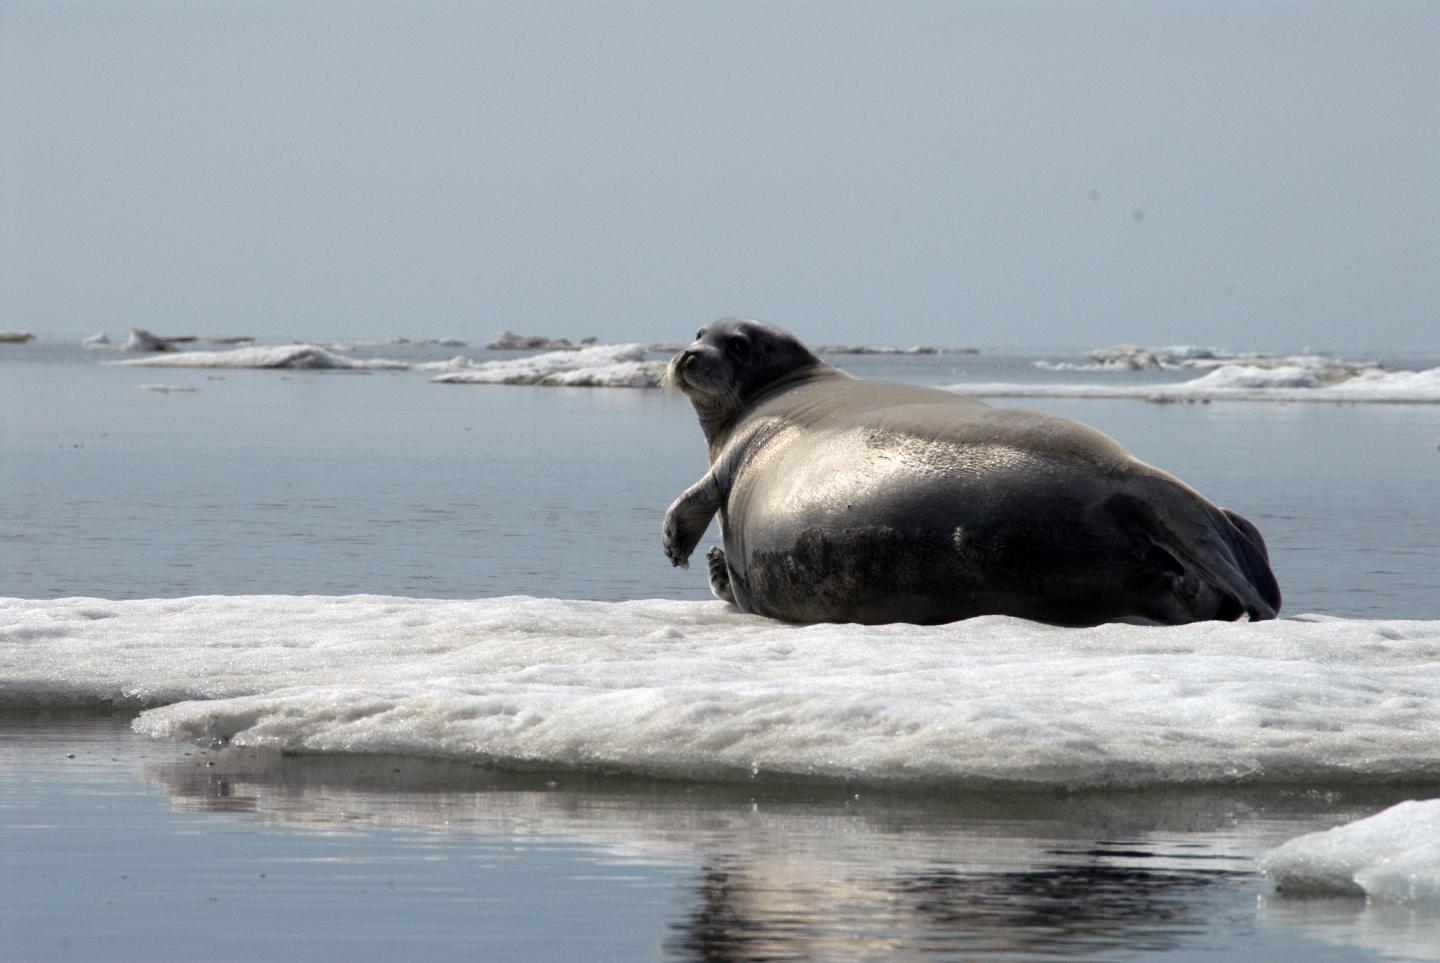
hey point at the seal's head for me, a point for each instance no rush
(732, 361)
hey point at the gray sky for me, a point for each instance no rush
(1000, 174)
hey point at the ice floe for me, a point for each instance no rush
(16, 337)
(622, 365)
(876, 349)
(694, 689)
(294, 356)
(510, 341)
(1334, 382)
(1392, 856)
(600, 366)
(397, 341)
(1134, 357)
(142, 340)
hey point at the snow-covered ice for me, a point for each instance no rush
(601, 366)
(695, 689)
(1135, 357)
(1248, 382)
(510, 341)
(877, 349)
(142, 340)
(1392, 856)
(303, 356)
(621, 365)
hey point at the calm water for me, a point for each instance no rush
(334, 483)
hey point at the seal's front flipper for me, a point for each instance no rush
(720, 575)
(688, 517)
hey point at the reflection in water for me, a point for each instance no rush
(1395, 932)
(1060, 908)
(791, 872)
(1052, 910)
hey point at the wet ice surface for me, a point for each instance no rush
(696, 690)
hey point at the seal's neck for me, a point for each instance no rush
(717, 418)
(716, 422)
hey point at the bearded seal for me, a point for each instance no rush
(845, 500)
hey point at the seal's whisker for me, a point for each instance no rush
(670, 380)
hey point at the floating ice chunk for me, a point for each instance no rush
(1044, 365)
(692, 689)
(1417, 385)
(876, 349)
(674, 347)
(1336, 383)
(1126, 357)
(1392, 856)
(510, 341)
(294, 356)
(98, 340)
(16, 337)
(142, 340)
(1134, 357)
(601, 366)
(916, 349)
(1250, 376)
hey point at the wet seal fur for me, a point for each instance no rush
(844, 500)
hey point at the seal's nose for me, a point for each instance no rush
(686, 356)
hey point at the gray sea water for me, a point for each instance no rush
(299, 482)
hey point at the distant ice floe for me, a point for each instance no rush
(674, 347)
(605, 366)
(1320, 382)
(890, 349)
(98, 340)
(142, 340)
(16, 337)
(696, 690)
(601, 366)
(397, 341)
(1134, 357)
(1393, 856)
(293, 356)
(510, 341)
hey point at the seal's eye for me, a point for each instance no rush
(739, 348)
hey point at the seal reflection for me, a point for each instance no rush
(767, 871)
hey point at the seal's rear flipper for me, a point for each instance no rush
(1255, 560)
(720, 575)
(1199, 566)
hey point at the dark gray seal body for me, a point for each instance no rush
(844, 500)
